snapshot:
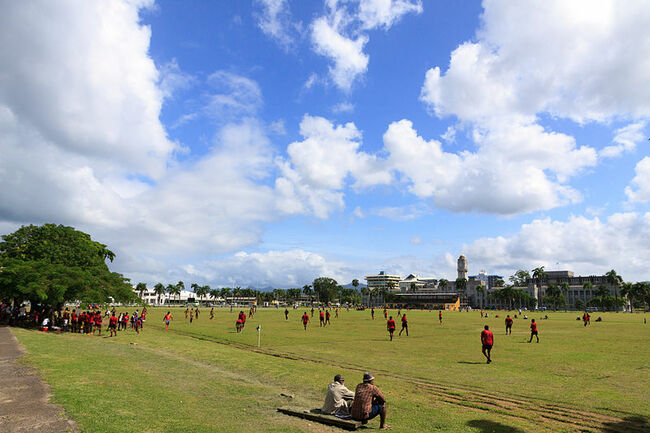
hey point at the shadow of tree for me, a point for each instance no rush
(629, 424)
(487, 426)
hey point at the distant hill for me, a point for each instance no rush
(350, 286)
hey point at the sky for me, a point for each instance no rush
(265, 143)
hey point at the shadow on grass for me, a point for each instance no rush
(470, 362)
(631, 424)
(492, 427)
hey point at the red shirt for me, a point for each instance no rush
(390, 324)
(404, 320)
(98, 319)
(322, 315)
(243, 318)
(508, 321)
(533, 326)
(487, 337)
(113, 320)
(74, 317)
(328, 314)
(305, 318)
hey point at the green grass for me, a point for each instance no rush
(205, 377)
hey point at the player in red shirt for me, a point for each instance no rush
(405, 326)
(390, 325)
(98, 323)
(305, 320)
(239, 324)
(508, 324)
(440, 316)
(487, 339)
(112, 325)
(73, 321)
(322, 319)
(533, 331)
(327, 318)
(167, 318)
(385, 314)
(125, 320)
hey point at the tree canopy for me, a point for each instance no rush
(53, 264)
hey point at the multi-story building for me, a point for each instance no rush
(414, 283)
(383, 280)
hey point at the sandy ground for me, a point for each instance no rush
(24, 397)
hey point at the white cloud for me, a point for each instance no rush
(65, 83)
(416, 240)
(318, 167)
(236, 96)
(173, 79)
(507, 175)
(626, 140)
(385, 13)
(400, 213)
(586, 246)
(343, 32)
(358, 212)
(275, 22)
(343, 107)
(639, 188)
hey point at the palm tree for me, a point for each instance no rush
(587, 286)
(171, 290)
(480, 292)
(602, 292)
(141, 288)
(226, 293)
(306, 289)
(443, 283)
(614, 280)
(355, 284)
(365, 291)
(553, 294)
(539, 275)
(159, 289)
(214, 294)
(564, 287)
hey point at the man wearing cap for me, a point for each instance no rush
(369, 402)
(338, 398)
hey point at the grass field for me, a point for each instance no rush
(204, 377)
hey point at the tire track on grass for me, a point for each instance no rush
(519, 408)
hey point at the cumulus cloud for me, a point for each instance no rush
(639, 189)
(234, 96)
(498, 85)
(342, 33)
(318, 167)
(585, 245)
(626, 140)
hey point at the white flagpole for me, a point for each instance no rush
(259, 335)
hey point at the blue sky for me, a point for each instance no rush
(269, 142)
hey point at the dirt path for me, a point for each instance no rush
(24, 397)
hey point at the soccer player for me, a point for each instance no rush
(440, 316)
(327, 318)
(74, 320)
(191, 316)
(336, 313)
(305, 320)
(167, 318)
(286, 314)
(533, 331)
(322, 319)
(212, 313)
(125, 320)
(385, 314)
(98, 323)
(508, 324)
(405, 326)
(239, 324)
(372, 313)
(487, 339)
(312, 311)
(390, 325)
(138, 324)
(187, 312)
(112, 325)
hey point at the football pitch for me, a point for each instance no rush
(205, 377)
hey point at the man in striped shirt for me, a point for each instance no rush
(369, 402)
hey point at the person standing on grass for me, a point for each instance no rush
(533, 331)
(487, 339)
(239, 324)
(440, 316)
(138, 324)
(305, 320)
(286, 313)
(390, 325)
(191, 316)
(196, 313)
(98, 323)
(369, 402)
(508, 324)
(327, 318)
(321, 319)
(212, 313)
(385, 314)
(112, 325)
(372, 313)
(125, 320)
(312, 311)
(167, 319)
(336, 313)
(187, 313)
(405, 326)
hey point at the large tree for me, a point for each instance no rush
(614, 280)
(539, 275)
(53, 264)
(327, 289)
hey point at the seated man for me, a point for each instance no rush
(338, 398)
(369, 402)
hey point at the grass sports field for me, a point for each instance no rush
(204, 377)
